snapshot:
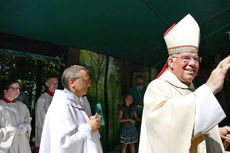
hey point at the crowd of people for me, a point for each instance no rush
(169, 116)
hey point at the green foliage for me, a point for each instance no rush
(114, 98)
(31, 71)
(95, 63)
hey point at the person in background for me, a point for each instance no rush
(67, 127)
(177, 118)
(138, 93)
(128, 134)
(15, 120)
(42, 106)
(22, 96)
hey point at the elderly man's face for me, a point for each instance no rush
(185, 66)
(81, 85)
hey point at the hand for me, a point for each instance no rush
(139, 107)
(216, 79)
(21, 128)
(96, 116)
(94, 124)
(18, 130)
(225, 133)
(132, 121)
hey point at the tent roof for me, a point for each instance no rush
(128, 29)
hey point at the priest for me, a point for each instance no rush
(67, 127)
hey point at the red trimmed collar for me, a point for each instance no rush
(50, 92)
(7, 100)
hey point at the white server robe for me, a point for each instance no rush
(11, 115)
(41, 108)
(177, 120)
(65, 129)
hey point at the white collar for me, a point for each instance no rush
(172, 79)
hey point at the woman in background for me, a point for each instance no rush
(128, 132)
(15, 121)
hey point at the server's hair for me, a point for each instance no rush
(6, 84)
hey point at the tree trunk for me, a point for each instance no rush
(106, 105)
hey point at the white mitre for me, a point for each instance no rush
(183, 36)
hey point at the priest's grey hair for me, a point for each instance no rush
(173, 58)
(71, 73)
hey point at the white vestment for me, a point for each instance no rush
(86, 106)
(15, 127)
(65, 129)
(177, 120)
(41, 108)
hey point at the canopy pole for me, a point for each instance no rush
(147, 2)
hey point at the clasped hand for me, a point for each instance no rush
(225, 133)
(132, 121)
(94, 122)
(21, 128)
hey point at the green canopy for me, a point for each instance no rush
(127, 29)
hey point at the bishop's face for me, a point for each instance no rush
(185, 66)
